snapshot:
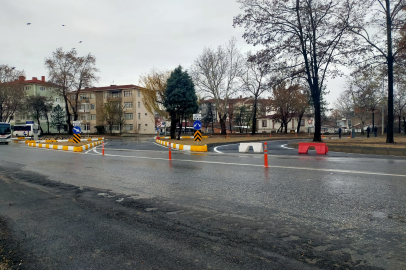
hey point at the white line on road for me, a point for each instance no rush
(256, 165)
(285, 146)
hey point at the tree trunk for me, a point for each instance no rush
(212, 125)
(362, 128)
(404, 123)
(180, 127)
(68, 116)
(300, 120)
(223, 126)
(317, 119)
(254, 117)
(173, 127)
(389, 129)
(373, 119)
(400, 130)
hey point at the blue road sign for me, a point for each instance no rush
(197, 125)
(77, 130)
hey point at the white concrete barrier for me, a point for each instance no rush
(244, 147)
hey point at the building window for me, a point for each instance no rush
(139, 104)
(128, 116)
(127, 93)
(83, 96)
(115, 94)
(92, 117)
(85, 127)
(92, 106)
(128, 104)
(138, 93)
(42, 88)
(92, 96)
(57, 99)
(129, 127)
(114, 127)
(264, 123)
(302, 122)
(27, 87)
(139, 115)
(139, 126)
(73, 97)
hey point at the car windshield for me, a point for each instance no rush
(22, 128)
(4, 129)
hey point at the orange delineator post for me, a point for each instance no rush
(170, 152)
(266, 155)
(103, 148)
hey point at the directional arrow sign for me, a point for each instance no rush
(198, 136)
(77, 130)
(197, 125)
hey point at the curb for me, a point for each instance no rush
(182, 137)
(192, 148)
(64, 147)
(50, 141)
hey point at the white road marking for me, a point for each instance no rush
(285, 146)
(270, 166)
(217, 151)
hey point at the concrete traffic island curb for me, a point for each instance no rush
(381, 151)
(65, 147)
(192, 148)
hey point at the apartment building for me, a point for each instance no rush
(38, 87)
(90, 109)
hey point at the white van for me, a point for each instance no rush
(5, 133)
(25, 130)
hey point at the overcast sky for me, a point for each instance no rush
(128, 37)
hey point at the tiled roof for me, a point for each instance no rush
(111, 87)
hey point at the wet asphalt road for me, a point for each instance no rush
(212, 210)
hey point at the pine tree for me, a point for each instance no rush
(180, 98)
(57, 118)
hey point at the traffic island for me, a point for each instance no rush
(192, 148)
(368, 146)
(67, 146)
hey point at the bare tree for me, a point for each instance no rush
(38, 106)
(254, 81)
(112, 114)
(154, 84)
(375, 27)
(12, 94)
(303, 39)
(287, 102)
(215, 73)
(364, 91)
(71, 73)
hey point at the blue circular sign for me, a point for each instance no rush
(77, 130)
(197, 125)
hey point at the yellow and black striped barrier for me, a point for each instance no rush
(76, 138)
(198, 135)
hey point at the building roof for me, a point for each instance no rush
(34, 80)
(111, 87)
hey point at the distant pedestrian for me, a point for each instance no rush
(339, 132)
(353, 133)
(368, 130)
(376, 131)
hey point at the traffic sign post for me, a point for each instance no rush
(76, 134)
(197, 136)
(197, 125)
